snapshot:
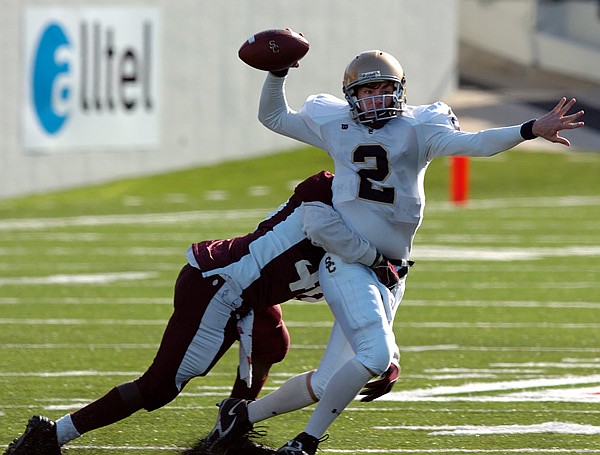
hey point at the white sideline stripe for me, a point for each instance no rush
(107, 278)
(504, 385)
(566, 364)
(438, 451)
(89, 278)
(111, 449)
(220, 215)
(326, 324)
(75, 403)
(513, 285)
(421, 252)
(497, 325)
(451, 373)
(475, 411)
(480, 325)
(207, 216)
(416, 303)
(83, 373)
(87, 301)
(154, 346)
(473, 253)
(476, 430)
(378, 451)
(477, 204)
(550, 390)
(131, 322)
(449, 347)
(501, 304)
(79, 346)
(66, 374)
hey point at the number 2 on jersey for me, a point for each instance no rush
(377, 173)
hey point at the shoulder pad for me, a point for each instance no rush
(323, 108)
(437, 113)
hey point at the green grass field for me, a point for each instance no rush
(499, 329)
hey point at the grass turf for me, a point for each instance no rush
(499, 327)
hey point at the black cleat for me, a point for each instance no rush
(303, 444)
(232, 423)
(39, 439)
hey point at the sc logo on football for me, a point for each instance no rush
(51, 78)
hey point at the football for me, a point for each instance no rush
(273, 50)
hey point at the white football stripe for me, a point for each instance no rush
(544, 389)
(475, 430)
(89, 278)
(112, 449)
(472, 253)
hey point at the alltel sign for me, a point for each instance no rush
(90, 78)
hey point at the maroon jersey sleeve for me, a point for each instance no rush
(316, 188)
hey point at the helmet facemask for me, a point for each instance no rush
(376, 108)
(371, 69)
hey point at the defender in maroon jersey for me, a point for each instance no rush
(228, 289)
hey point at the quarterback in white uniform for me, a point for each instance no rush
(381, 148)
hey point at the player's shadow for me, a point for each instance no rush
(243, 446)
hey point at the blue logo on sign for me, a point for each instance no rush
(51, 88)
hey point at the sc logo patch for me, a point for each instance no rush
(330, 265)
(51, 78)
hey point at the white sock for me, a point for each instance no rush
(342, 388)
(295, 393)
(65, 430)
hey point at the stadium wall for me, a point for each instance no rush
(96, 91)
(562, 36)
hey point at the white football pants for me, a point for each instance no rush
(364, 311)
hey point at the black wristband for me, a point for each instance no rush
(527, 130)
(280, 73)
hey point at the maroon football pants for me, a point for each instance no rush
(157, 386)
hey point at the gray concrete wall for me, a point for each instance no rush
(557, 36)
(203, 98)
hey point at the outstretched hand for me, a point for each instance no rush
(549, 125)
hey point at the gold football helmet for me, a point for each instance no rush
(369, 67)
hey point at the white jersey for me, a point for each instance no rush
(378, 187)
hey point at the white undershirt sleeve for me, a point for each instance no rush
(447, 142)
(275, 113)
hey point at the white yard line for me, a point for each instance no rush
(540, 389)
(85, 278)
(524, 202)
(475, 253)
(206, 216)
(96, 301)
(475, 430)
(320, 347)
(311, 324)
(500, 304)
(209, 216)
(112, 449)
(438, 451)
